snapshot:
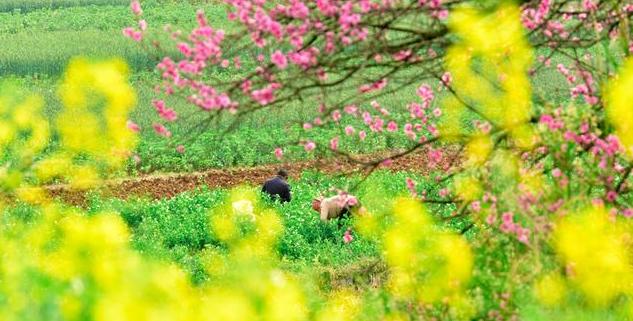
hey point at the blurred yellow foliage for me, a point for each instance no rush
(79, 267)
(98, 96)
(343, 305)
(23, 134)
(490, 72)
(92, 128)
(619, 97)
(84, 267)
(597, 253)
(467, 187)
(478, 150)
(427, 265)
(550, 290)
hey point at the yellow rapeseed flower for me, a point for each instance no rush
(496, 86)
(467, 187)
(478, 150)
(343, 305)
(550, 290)
(618, 98)
(427, 265)
(598, 254)
(98, 96)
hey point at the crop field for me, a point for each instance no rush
(33, 5)
(50, 37)
(446, 160)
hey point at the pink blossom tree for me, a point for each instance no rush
(343, 57)
(528, 157)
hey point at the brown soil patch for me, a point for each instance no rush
(167, 185)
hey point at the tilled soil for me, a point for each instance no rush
(168, 185)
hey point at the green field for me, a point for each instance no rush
(23, 6)
(53, 36)
(177, 229)
(444, 233)
(50, 36)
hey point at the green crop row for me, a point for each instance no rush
(49, 53)
(41, 42)
(31, 5)
(106, 18)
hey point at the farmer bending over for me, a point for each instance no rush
(338, 206)
(278, 187)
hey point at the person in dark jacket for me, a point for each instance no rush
(278, 187)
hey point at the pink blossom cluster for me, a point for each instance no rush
(508, 226)
(375, 86)
(534, 17)
(133, 126)
(607, 147)
(602, 151)
(589, 5)
(411, 186)
(207, 98)
(293, 20)
(287, 25)
(309, 146)
(165, 113)
(266, 95)
(436, 8)
(435, 156)
(377, 119)
(567, 26)
(162, 130)
(348, 237)
(133, 33)
(555, 29)
(582, 84)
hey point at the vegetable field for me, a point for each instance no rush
(446, 160)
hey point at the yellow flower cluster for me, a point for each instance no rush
(92, 127)
(427, 265)
(478, 150)
(96, 95)
(619, 98)
(247, 283)
(81, 268)
(595, 251)
(467, 187)
(598, 254)
(23, 131)
(342, 305)
(550, 290)
(489, 68)
(23, 134)
(244, 225)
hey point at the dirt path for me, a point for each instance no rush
(168, 185)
